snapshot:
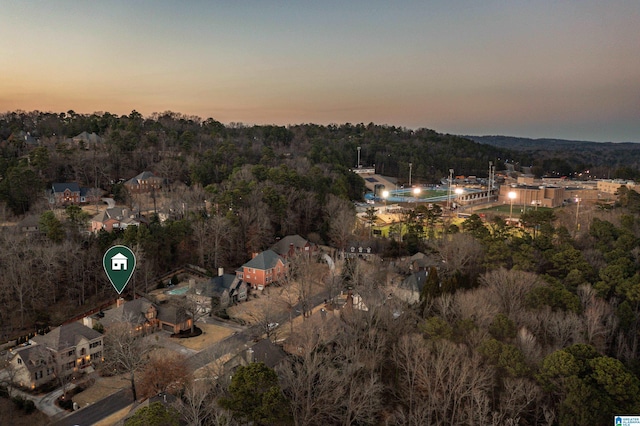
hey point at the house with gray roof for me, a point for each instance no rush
(115, 218)
(226, 289)
(67, 193)
(64, 350)
(291, 245)
(144, 182)
(265, 268)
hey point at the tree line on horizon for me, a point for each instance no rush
(541, 323)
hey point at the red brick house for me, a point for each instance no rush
(262, 270)
(143, 183)
(64, 194)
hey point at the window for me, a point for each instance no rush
(19, 360)
(96, 344)
(70, 353)
(38, 375)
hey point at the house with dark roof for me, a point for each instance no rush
(146, 316)
(291, 245)
(67, 193)
(141, 313)
(144, 182)
(411, 287)
(64, 350)
(263, 351)
(421, 262)
(173, 318)
(227, 289)
(264, 269)
(115, 218)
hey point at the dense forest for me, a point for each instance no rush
(528, 326)
(576, 159)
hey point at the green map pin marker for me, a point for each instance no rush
(119, 263)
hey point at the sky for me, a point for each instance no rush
(535, 68)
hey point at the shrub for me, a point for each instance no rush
(29, 406)
(18, 401)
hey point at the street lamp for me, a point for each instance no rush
(459, 192)
(577, 214)
(410, 166)
(416, 193)
(512, 195)
(385, 195)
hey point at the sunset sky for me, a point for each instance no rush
(562, 69)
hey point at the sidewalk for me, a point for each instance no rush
(45, 403)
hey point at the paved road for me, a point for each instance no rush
(99, 410)
(232, 344)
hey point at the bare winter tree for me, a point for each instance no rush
(198, 405)
(520, 398)
(126, 351)
(265, 317)
(599, 318)
(508, 288)
(409, 357)
(164, 372)
(341, 218)
(459, 253)
(311, 380)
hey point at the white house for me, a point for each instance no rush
(119, 262)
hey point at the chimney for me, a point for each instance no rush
(249, 355)
(253, 255)
(119, 302)
(220, 272)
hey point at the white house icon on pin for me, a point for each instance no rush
(119, 262)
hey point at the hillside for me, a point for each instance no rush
(603, 160)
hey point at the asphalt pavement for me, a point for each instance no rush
(99, 410)
(105, 407)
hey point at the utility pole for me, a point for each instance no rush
(358, 165)
(449, 189)
(410, 165)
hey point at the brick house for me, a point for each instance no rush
(147, 316)
(115, 218)
(64, 350)
(143, 183)
(262, 270)
(293, 244)
(64, 194)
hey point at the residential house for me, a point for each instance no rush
(115, 218)
(173, 318)
(291, 245)
(86, 140)
(143, 183)
(421, 262)
(141, 313)
(64, 194)
(264, 269)
(359, 250)
(64, 350)
(263, 351)
(30, 224)
(147, 316)
(410, 288)
(228, 289)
